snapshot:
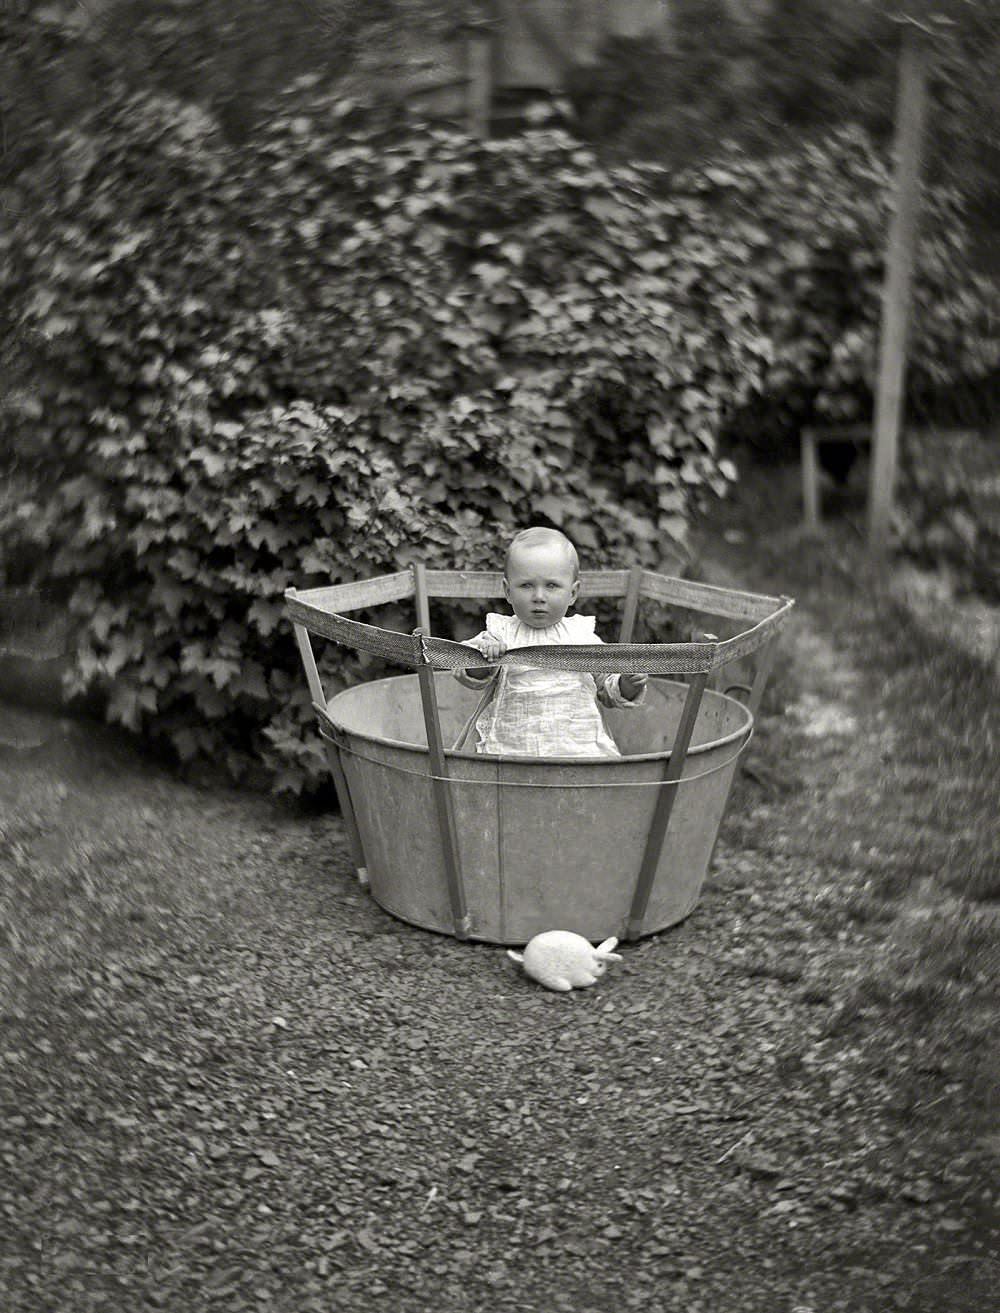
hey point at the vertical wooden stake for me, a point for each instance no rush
(480, 89)
(810, 481)
(309, 664)
(761, 674)
(631, 604)
(664, 806)
(442, 798)
(332, 752)
(897, 287)
(420, 595)
(347, 810)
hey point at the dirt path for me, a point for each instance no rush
(231, 1082)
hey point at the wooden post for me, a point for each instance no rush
(332, 749)
(420, 596)
(347, 812)
(480, 89)
(441, 788)
(810, 481)
(664, 807)
(897, 286)
(309, 662)
(631, 604)
(762, 673)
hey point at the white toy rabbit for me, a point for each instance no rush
(562, 960)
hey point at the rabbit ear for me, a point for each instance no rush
(515, 957)
(603, 950)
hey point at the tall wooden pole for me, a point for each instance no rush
(897, 287)
(479, 41)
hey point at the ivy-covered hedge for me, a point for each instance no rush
(348, 346)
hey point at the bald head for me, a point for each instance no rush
(550, 540)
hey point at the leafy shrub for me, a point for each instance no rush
(949, 508)
(320, 356)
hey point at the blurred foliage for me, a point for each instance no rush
(226, 56)
(762, 74)
(792, 69)
(948, 512)
(814, 221)
(315, 356)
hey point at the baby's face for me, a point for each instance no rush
(540, 585)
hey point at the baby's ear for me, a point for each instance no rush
(514, 957)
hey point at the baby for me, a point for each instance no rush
(544, 713)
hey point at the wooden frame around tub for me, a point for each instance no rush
(322, 612)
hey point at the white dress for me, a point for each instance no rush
(546, 713)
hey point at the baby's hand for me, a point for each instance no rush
(631, 686)
(491, 648)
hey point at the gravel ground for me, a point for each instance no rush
(231, 1082)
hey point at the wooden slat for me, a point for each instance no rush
(897, 289)
(388, 643)
(309, 664)
(479, 94)
(652, 658)
(631, 607)
(464, 583)
(489, 583)
(664, 808)
(442, 800)
(353, 596)
(593, 583)
(810, 481)
(604, 583)
(420, 594)
(741, 645)
(762, 673)
(728, 602)
(347, 810)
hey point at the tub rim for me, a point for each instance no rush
(743, 731)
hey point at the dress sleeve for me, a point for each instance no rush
(610, 694)
(471, 681)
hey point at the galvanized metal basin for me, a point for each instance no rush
(543, 843)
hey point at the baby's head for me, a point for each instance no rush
(541, 576)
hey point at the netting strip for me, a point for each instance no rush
(606, 658)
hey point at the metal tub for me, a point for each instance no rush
(541, 843)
